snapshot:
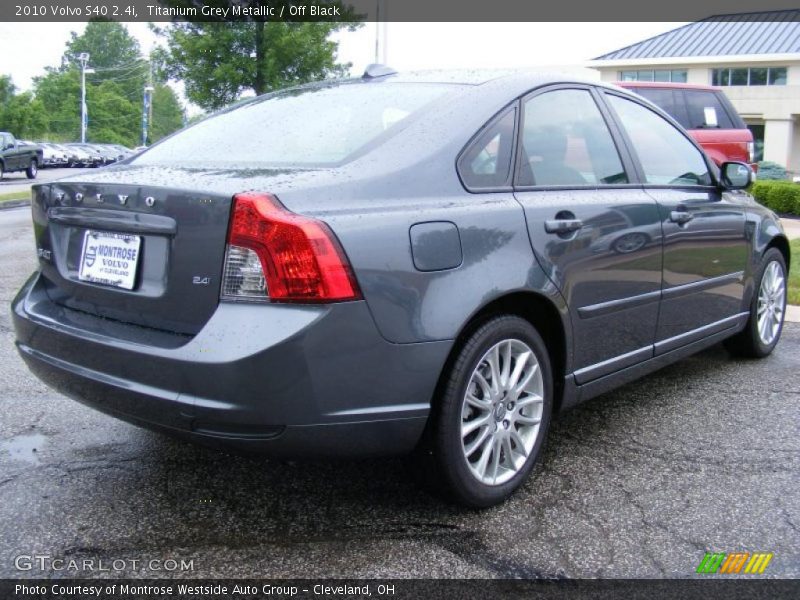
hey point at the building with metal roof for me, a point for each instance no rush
(754, 57)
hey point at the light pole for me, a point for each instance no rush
(381, 32)
(84, 58)
(147, 111)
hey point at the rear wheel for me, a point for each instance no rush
(32, 169)
(763, 329)
(492, 418)
(2, 170)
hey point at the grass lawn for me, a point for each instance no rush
(794, 273)
(15, 196)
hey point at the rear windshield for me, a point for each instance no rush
(693, 109)
(306, 127)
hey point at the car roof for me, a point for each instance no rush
(511, 77)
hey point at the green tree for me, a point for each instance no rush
(107, 42)
(24, 116)
(168, 114)
(114, 94)
(219, 61)
(7, 90)
(21, 114)
(60, 93)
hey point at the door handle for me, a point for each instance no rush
(562, 226)
(680, 216)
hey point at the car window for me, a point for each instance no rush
(486, 163)
(565, 141)
(670, 101)
(666, 155)
(706, 111)
(300, 127)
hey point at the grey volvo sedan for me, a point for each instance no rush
(397, 264)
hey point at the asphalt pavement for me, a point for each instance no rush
(702, 456)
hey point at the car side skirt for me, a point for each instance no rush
(664, 352)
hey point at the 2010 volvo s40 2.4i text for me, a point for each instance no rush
(398, 264)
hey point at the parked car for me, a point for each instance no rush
(70, 156)
(16, 156)
(111, 151)
(707, 114)
(107, 155)
(123, 151)
(398, 264)
(87, 156)
(53, 156)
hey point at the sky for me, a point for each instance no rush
(27, 48)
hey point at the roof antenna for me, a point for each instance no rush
(376, 70)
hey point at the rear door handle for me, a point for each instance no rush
(680, 216)
(562, 226)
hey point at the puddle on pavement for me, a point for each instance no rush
(24, 447)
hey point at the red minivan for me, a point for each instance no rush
(706, 113)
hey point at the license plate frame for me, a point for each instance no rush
(110, 259)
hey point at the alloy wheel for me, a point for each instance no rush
(771, 303)
(502, 411)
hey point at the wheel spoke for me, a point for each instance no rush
(507, 360)
(481, 381)
(527, 379)
(763, 328)
(473, 400)
(479, 441)
(507, 453)
(532, 399)
(470, 426)
(520, 445)
(525, 420)
(519, 367)
(494, 365)
(483, 461)
(495, 459)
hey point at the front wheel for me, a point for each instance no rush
(491, 420)
(32, 170)
(767, 310)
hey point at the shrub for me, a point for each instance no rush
(770, 171)
(780, 196)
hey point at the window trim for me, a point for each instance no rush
(712, 170)
(502, 113)
(622, 152)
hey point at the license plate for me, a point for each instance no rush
(110, 258)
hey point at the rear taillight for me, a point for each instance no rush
(751, 151)
(276, 255)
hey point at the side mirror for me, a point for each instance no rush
(736, 175)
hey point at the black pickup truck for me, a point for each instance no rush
(18, 157)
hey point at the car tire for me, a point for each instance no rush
(32, 169)
(507, 406)
(767, 310)
(2, 170)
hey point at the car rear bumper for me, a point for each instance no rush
(283, 380)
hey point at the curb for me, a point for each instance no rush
(14, 203)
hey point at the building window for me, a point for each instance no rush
(749, 76)
(665, 75)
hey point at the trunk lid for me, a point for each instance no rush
(179, 240)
